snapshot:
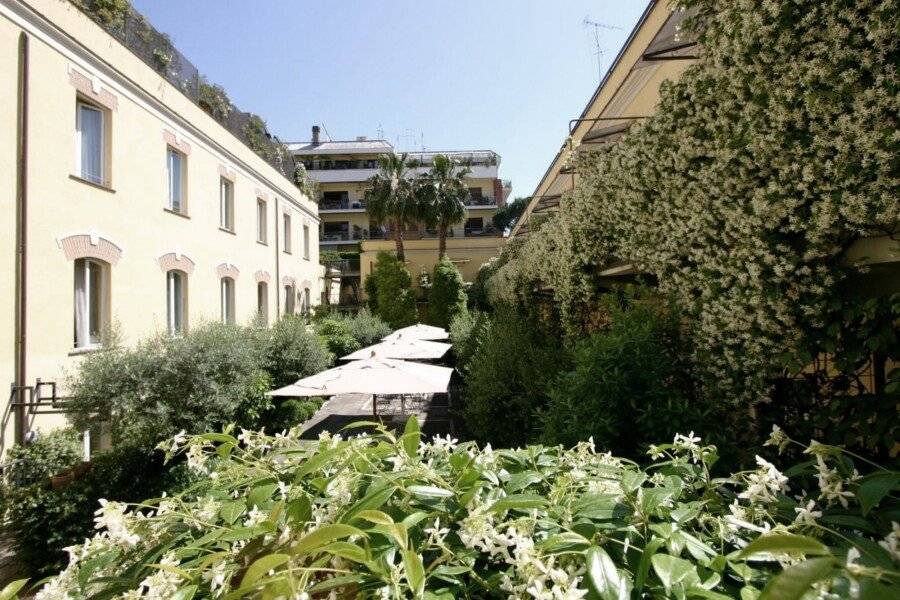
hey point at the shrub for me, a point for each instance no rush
(507, 379)
(630, 385)
(195, 382)
(392, 283)
(50, 454)
(367, 328)
(290, 413)
(291, 352)
(337, 336)
(42, 521)
(467, 329)
(382, 517)
(448, 294)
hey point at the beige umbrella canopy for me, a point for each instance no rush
(376, 376)
(402, 348)
(419, 332)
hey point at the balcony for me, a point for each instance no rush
(481, 202)
(334, 237)
(344, 204)
(488, 231)
(347, 266)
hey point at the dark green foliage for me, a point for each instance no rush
(291, 351)
(509, 214)
(395, 302)
(630, 385)
(466, 332)
(292, 412)
(370, 285)
(43, 521)
(448, 294)
(367, 328)
(337, 336)
(507, 378)
(49, 455)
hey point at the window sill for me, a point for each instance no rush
(226, 230)
(176, 213)
(262, 243)
(287, 251)
(85, 350)
(93, 184)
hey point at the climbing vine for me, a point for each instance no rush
(762, 165)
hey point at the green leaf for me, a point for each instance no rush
(519, 502)
(375, 516)
(566, 541)
(795, 581)
(299, 510)
(223, 438)
(672, 570)
(520, 481)
(12, 589)
(230, 511)
(317, 461)
(323, 536)
(411, 436)
(185, 593)
(776, 543)
(347, 550)
(261, 566)
(644, 566)
(415, 572)
(429, 491)
(374, 499)
(874, 487)
(261, 494)
(603, 578)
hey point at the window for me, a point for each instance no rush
(474, 225)
(306, 242)
(176, 301)
(289, 299)
(226, 204)
(262, 233)
(90, 127)
(175, 161)
(227, 289)
(287, 233)
(306, 301)
(262, 302)
(91, 301)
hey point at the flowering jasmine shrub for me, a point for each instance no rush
(379, 516)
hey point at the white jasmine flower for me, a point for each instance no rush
(806, 515)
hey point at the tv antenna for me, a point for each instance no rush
(598, 51)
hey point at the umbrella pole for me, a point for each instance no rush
(374, 405)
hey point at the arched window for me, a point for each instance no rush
(290, 297)
(176, 301)
(91, 301)
(262, 302)
(227, 293)
(307, 302)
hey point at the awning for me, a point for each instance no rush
(402, 348)
(419, 332)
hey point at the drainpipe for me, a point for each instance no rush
(277, 261)
(21, 425)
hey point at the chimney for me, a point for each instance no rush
(315, 135)
(361, 138)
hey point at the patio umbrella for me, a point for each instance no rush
(419, 332)
(402, 348)
(376, 376)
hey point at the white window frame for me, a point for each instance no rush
(86, 336)
(79, 156)
(226, 288)
(176, 306)
(262, 221)
(287, 233)
(306, 241)
(182, 201)
(226, 204)
(290, 300)
(262, 301)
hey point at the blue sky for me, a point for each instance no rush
(505, 75)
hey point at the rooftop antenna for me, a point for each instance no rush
(598, 51)
(380, 132)
(326, 132)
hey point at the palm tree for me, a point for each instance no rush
(391, 197)
(442, 197)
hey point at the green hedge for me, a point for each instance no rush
(448, 294)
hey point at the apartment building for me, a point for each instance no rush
(128, 205)
(343, 169)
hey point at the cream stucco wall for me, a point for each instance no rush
(130, 214)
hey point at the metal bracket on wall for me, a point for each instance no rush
(38, 403)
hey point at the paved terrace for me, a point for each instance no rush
(341, 410)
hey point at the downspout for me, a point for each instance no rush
(278, 225)
(21, 425)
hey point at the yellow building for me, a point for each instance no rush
(342, 170)
(126, 204)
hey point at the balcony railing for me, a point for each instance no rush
(341, 204)
(346, 266)
(481, 231)
(481, 201)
